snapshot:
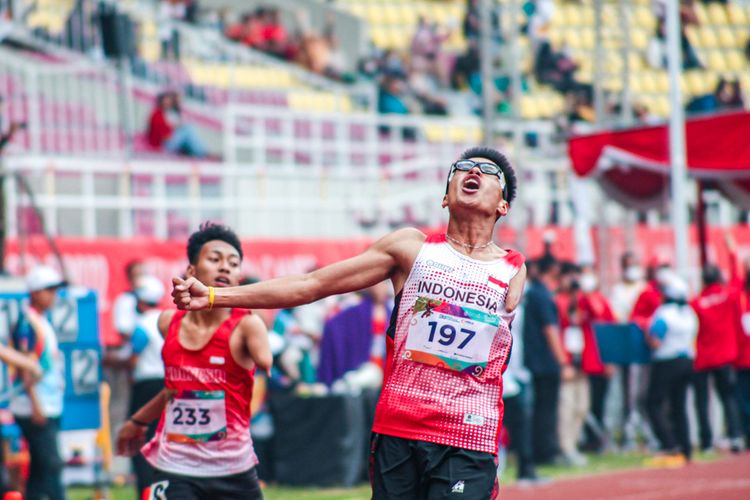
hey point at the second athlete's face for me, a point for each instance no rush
(475, 190)
(218, 265)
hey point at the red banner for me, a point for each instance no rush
(100, 264)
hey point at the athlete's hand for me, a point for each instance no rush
(130, 439)
(189, 294)
(568, 373)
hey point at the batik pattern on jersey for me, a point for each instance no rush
(450, 344)
(205, 428)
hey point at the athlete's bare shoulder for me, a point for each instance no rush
(251, 322)
(165, 318)
(403, 242)
(250, 340)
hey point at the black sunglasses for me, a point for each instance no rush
(484, 167)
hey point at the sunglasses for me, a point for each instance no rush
(484, 167)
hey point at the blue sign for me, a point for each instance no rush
(622, 344)
(76, 323)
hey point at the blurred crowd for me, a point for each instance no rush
(560, 391)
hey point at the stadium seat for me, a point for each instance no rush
(728, 38)
(736, 15)
(717, 14)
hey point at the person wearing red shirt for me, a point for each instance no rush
(740, 282)
(574, 390)
(203, 447)
(594, 308)
(718, 311)
(439, 416)
(168, 132)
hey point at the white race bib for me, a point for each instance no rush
(573, 340)
(196, 417)
(450, 336)
(746, 323)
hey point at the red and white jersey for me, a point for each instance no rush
(447, 347)
(205, 428)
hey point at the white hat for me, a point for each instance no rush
(675, 287)
(149, 290)
(43, 277)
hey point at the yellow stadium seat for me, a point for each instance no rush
(728, 38)
(639, 39)
(644, 18)
(374, 14)
(701, 13)
(716, 60)
(661, 106)
(707, 37)
(529, 108)
(435, 133)
(735, 60)
(736, 15)
(717, 14)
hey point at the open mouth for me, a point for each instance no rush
(470, 185)
(221, 281)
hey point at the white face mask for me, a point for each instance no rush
(662, 275)
(588, 282)
(633, 273)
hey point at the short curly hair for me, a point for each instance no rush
(499, 159)
(210, 231)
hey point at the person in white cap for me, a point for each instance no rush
(148, 367)
(671, 335)
(39, 403)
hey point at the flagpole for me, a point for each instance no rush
(677, 155)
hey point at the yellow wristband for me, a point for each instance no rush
(211, 297)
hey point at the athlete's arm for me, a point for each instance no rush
(132, 434)
(255, 338)
(515, 290)
(19, 360)
(383, 260)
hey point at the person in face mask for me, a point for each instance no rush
(626, 292)
(651, 296)
(594, 307)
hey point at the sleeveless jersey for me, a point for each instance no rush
(205, 429)
(448, 344)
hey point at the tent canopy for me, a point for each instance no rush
(632, 165)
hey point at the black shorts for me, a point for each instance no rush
(405, 469)
(168, 486)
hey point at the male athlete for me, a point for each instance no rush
(440, 410)
(202, 448)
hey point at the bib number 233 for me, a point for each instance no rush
(196, 416)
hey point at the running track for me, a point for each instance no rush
(723, 479)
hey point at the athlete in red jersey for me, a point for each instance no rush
(440, 410)
(202, 448)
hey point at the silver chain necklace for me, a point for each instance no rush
(466, 245)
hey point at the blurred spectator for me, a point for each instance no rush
(168, 131)
(719, 317)
(740, 282)
(517, 400)
(594, 308)
(38, 404)
(147, 365)
(7, 135)
(555, 68)
(355, 336)
(671, 335)
(170, 11)
(657, 48)
(650, 297)
(643, 115)
(125, 308)
(727, 96)
(274, 36)
(574, 390)
(426, 50)
(624, 295)
(391, 96)
(545, 357)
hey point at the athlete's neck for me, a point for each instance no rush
(473, 238)
(210, 318)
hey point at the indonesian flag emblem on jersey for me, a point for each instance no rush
(443, 382)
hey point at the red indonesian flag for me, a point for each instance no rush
(497, 282)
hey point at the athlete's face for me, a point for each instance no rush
(480, 192)
(218, 265)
